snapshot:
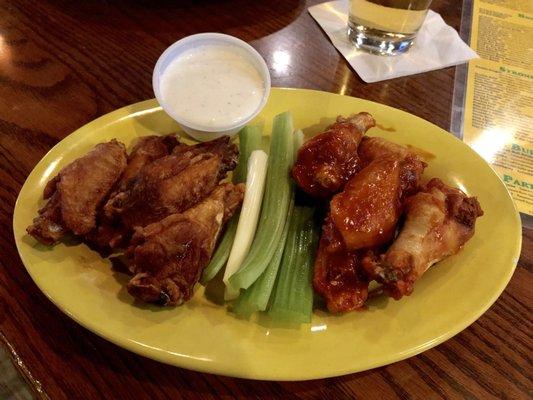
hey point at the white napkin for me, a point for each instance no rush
(436, 46)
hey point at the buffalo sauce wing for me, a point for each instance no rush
(367, 211)
(338, 277)
(439, 220)
(328, 160)
(363, 217)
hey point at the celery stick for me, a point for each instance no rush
(292, 299)
(251, 206)
(220, 257)
(249, 140)
(278, 192)
(256, 297)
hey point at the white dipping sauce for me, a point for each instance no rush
(213, 86)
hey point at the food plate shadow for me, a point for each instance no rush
(378, 302)
(319, 127)
(144, 120)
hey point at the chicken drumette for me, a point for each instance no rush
(326, 162)
(439, 220)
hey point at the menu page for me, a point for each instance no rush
(498, 115)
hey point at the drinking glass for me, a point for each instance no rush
(386, 27)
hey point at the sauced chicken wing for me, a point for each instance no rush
(367, 211)
(328, 160)
(362, 217)
(169, 256)
(173, 183)
(338, 276)
(439, 221)
(374, 148)
(77, 193)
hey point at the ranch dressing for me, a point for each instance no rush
(213, 86)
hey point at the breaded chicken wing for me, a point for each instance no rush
(77, 193)
(110, 233)
(168, 257)
(173, 183)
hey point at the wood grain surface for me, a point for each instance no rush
(64, 63)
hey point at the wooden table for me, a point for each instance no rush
(63, 64)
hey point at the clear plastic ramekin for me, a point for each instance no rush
(199, 132)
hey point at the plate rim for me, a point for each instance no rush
(204, 366)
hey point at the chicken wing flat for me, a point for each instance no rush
(77, 193)
(169, 256)
(439, 221)
(173, 183)
(146, 150)
(374, 148)
(221, 146)
(338, 276)
(110, 233)
(328, 160)
(367, 211)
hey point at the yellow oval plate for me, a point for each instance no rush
(203, 336)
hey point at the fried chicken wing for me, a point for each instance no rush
(108, 236)
(221, 146)
(77, 193)
(338, 276)
(439, 221)
(48, 226)
(169, 256)
(146, 150)
(173, 183)
(110, 233)
(328, 160)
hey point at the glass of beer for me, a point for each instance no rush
(386, 27)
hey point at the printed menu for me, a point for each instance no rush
(498, 114)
